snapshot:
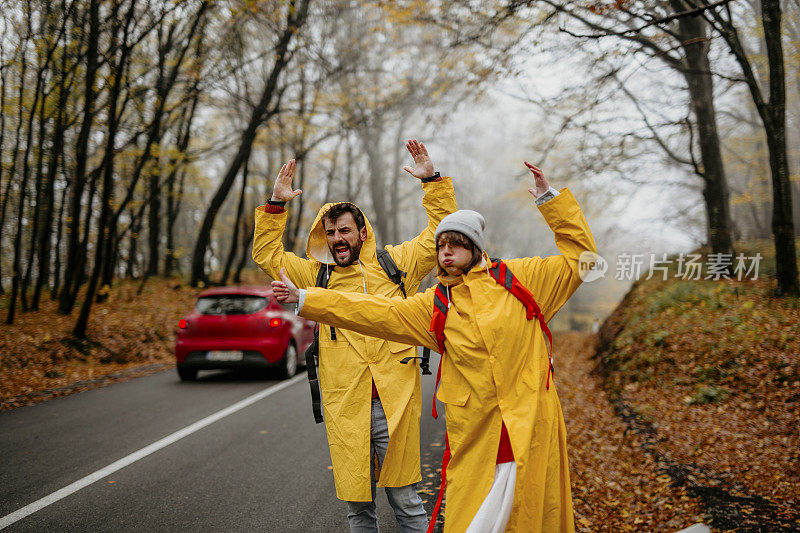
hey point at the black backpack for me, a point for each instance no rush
(312, 352)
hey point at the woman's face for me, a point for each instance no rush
(454, 258)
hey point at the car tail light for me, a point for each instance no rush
(275, 322)
(183, 323)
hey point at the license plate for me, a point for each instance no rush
(225, 355)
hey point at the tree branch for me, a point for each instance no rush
(654, 22)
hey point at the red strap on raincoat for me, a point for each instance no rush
(507, 279)
(445, 461)
(441, 304)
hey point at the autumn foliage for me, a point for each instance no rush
(709, 370)
(39, 358)
(601, 8)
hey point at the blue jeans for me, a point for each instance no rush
(406, 503)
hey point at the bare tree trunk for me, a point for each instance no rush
(247, 250)
(165, 84)
(782, 226)
(3, 68)
(171, 260)
(80, 275)
(133, 242)
(153, 187)
(761, 231)
(154, 222)
(72, 272)
(695, 42)
(45, 235)
(17, 280)
(349, 171)
(174, 200)
(44, 195)
(301, 154)
(773, 115)
(111, 259)
(39, 214)
(57, 254)
(106, 199)
(370, 138)
(298, 204)
(394, 189)
(175, 191)
(235, 238)
(332, 171)
(796, 207)
(261, 112)
(12, 174)
(16, 271)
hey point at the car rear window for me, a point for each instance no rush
(230, 304)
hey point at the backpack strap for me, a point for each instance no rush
(441, 305)
(313, 381)
(390, 267)
(396, 275)
(503, 275)
(312, 353)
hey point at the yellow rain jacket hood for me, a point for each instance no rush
(317, 243)
(494, 371)
(349, 364)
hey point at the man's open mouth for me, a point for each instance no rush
(341, 249)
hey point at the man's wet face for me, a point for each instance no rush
(344, 239)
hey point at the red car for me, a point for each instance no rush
(241, 327)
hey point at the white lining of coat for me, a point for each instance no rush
(494, 512)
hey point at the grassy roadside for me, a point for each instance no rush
(709, 373)
(129, 334)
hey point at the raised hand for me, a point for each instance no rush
(282, 192)
(284, 290)
(423, 166)
(541, 182)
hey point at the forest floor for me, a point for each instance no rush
(130, 334)
(707, 374)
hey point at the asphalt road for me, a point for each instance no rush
(264, 467)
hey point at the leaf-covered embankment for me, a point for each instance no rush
(709, 372)
(130, 334)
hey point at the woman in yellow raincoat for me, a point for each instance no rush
(495, 371)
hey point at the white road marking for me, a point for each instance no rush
(144, 452)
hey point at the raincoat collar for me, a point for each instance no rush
(317, 245)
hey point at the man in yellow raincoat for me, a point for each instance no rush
(371, 401)
(496, 380)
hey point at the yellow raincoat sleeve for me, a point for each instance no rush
(417, 256)
(268, 252)
(394, 319)
(554, 279)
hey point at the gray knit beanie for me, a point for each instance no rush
(470, 223)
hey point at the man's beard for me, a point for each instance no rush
(354, 253)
